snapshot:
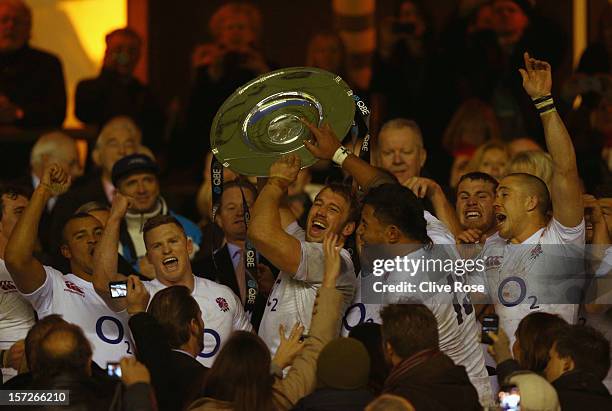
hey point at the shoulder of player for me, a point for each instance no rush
(212, 290)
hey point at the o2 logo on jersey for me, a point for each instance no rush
(362, 316)
(102, 331)
(507, 293)
(216, 347)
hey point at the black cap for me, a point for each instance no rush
(131, 164)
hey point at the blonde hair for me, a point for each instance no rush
(471, 112)
(537, 163)
(251, 12)
(476, 161)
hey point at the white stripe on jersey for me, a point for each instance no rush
(16, 314)
(222, 313)
(292, 298)
(77, 302)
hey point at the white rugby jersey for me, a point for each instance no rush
(16, 314)
(510, 270)
(222, 313)
(293, 296)
(77, 302)
(458, 330)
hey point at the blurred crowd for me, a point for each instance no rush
(127, 279)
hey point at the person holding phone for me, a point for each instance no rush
(167, 250)
(71, 295)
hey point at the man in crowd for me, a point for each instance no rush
(16, 314)
(521, 210)
(578, 362)
(227, 264)
(168, 249)
(475, 197)
(32, 90)
(421, 373)
(400, 149)
(168, 335)
(55, 147)
(119, 137)
(116, 92)
(299, 254)
(71, 295)
(136, 176)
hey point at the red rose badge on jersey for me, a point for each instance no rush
(222, 303)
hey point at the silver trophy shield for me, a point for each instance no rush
(260, 121)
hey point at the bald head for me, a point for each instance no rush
(36, 334)
(531, 185)
(64, 349)
(55, 147)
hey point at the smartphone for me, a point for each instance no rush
(113, 369)
(509, 398)
(490, 322)
(118, 289)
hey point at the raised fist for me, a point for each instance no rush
(55, 179)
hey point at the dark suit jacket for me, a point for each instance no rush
(33, 80)
(221, 270)
(177, 378)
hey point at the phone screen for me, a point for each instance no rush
(118, 289)
(113, 369)
(509, 398)
(490, 323)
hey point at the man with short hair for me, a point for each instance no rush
(475, 197)
(578, 362)
(71, 295)
(421, 373)
(32, 89)
(136, 176)
(227, 264)
(16, 314)
(298, 253)
(167, 250)
(168, 335)
(117, 92)
(544, 268)
(400, 149)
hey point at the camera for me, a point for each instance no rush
(509, 398)
(118, 289)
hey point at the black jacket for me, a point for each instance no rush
(579, 391)
(33, 80)
(221, 270)
(328, 399)
(177, 378)
(433, 383)
(99, 99)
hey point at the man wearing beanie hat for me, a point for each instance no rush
(136, 176)
(343, 370)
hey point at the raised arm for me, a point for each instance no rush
(265, 229)
(105, 255)
(565, 189)
(325, 146)
(27, 272)
(325, 325)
